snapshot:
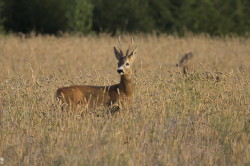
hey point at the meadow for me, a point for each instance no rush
(202, 118)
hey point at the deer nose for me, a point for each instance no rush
(120, 71)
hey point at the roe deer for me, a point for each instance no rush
(184, 62)
(93, 96)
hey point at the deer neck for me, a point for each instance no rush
(126, 84)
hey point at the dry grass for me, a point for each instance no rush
(175, 120)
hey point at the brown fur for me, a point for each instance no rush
(184, 62)
(95, 96)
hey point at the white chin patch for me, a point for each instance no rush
(121, 73)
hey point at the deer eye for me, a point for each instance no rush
(127, 64)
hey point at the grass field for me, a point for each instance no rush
(175, 119)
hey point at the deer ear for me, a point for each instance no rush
(117, 54)
(133, 54)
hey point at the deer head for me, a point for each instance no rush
(125, 61)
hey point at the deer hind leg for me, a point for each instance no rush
(73, 106)
(64, 106)
(60, 102)
(70, 105)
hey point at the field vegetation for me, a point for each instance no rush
(202, 118)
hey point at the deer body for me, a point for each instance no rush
(184, 62)
(94, 96)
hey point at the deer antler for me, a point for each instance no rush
(131, 43)
(119, 45)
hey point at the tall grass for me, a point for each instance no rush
(175, 120)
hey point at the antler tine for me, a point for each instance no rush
(131, 43)
(119, 40)
(132, 40)
(119, 44)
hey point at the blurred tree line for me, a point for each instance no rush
(215, 17)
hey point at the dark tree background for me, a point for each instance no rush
(215, 17)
